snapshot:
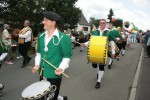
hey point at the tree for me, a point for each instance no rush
(110, 14)
(69, 13)
(94, 22)
(14, 12)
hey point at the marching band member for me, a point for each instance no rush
(56, 48)
(124, 41)
(118, 41)
(24, 40)
(113, 34)
(3, 54)
(102, 31)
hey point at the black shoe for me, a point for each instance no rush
(98, 85)
(109, 66)
(0, 65)
(122, 54)
(28, 60)
(80, 50)
(117, 59)
(23, 66)
(111, 63)
(65, 97)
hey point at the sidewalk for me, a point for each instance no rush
(143, 90)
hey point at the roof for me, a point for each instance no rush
(83, 21)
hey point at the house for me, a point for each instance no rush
(83, 24)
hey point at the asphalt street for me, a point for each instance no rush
(116, 83)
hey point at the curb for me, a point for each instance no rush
(136, 78)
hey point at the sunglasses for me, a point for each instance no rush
(102, 23)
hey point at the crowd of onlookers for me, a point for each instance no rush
(10, 43)
(77, 37)
(145, 40)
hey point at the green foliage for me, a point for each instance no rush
(94, 22)
(111, 13)
(118, 22)
(14, 12)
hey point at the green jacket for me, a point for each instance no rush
(3, 47)
(97, 33)
(113, 34)
(57, 50)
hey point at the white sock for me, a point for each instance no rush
(123, 52)
(81, 48)
(110, 61)
(60, 97)
(100, 75)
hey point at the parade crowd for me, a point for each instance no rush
(56, 47)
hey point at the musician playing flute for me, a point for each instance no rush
(56, 48)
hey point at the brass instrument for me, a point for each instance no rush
(128, 26)
(123, 36)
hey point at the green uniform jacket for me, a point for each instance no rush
(3, 47)
(97, 33)
(57, 50)
(112, 35)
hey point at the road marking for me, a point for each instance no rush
(136, 78)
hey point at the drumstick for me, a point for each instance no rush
(30, 67)
(54, 67)
(77, 42)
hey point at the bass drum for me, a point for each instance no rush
(98, 49)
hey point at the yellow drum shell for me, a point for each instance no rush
(97, 49)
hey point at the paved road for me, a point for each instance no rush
(116, 83)
(143, 89)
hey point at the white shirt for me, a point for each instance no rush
(65, 61)
(27, 36)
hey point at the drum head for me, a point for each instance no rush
(36, 89)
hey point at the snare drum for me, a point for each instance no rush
(97, 49)
(39, 91)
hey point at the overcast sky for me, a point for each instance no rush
(135, 11)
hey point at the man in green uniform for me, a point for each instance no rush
(112, 36)
(56, 48)
(101, 31)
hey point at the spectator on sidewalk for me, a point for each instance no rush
(148, 48)
(6, 38)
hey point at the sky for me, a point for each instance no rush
(134, 11)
